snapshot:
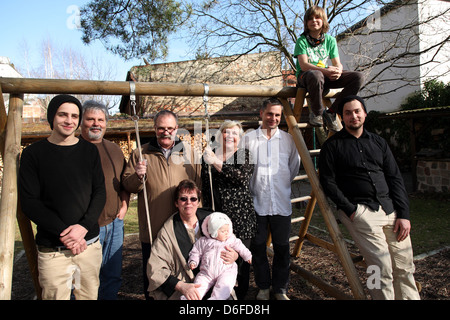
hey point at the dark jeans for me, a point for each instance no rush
(111, 238)
(280, 228)
(146, 248)
(316, 83)
(243, 277)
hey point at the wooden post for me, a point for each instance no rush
(3, 118)
(299, 103)
(8, 208)
(29, 245)
(304, 227)
(344, 256)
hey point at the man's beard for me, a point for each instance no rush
(95, 136)
(355, 127)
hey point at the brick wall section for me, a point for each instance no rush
(433, 176)
(253, 69)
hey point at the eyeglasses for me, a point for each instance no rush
(184, 199)
(162, 129)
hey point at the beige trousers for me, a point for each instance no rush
(390, 263)
(61, 271)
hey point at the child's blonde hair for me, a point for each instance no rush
(316, 11)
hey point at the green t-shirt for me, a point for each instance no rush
(319, 55)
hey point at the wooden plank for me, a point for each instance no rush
(8, 207)
(300, 199)
(3, 120)
(304, 226)
(27, 234)
(55, 86)
(299, 103)
(295, 220)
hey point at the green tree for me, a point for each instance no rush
(434, 94)
(133, 28)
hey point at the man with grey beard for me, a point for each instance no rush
(93, 128)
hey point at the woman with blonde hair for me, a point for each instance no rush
(231, 170)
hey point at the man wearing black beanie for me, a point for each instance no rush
(358, 172)
(62, 190)
(56, 102)
(348, 99)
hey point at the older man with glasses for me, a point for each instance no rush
(166, 162)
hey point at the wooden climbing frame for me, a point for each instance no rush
(17, 87)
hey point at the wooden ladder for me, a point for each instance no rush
(317, 196)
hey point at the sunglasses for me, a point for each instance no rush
(184, 199)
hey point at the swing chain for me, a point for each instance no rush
(205, 99)
(134, 117)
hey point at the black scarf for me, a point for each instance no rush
(313, 41)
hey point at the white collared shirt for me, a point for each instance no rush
(166, 152)
(276, 164)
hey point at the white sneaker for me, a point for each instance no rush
(330, 121)
(281, 296)
(263, 294)
(315, 121)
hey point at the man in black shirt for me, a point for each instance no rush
(359, 174)
(62, 190)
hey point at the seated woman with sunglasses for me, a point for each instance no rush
(167, 269)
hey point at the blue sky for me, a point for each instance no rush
(31, 22)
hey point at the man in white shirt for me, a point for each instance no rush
(276, 164)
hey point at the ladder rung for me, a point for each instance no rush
(303, 125)
(300, 199)
(294, 220)
(301, 177)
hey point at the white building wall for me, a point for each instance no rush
(32, 107)
(388, 84)
(433, 32)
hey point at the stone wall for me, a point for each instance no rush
(253, 69)
(433, 175)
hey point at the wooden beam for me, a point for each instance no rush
(305, 224)
(3, 120)
(8, 207)
(29, 245)
(55, 86)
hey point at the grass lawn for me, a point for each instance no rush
(430, 222)
(131, 224)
